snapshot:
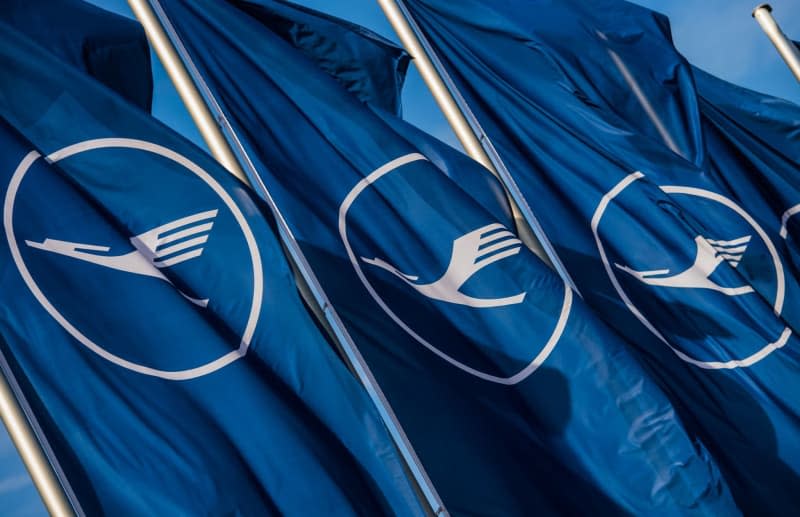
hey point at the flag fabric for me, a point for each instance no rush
(513, 394)
(597, 48)
(152, 321)
(662, 249)
(109, 47)
(753, 146)
(366, 64)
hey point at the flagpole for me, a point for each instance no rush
(44, 474)
(183, 84)
(228, 149)
(468, 130)
(786, 47)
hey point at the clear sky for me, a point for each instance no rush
(717, 35)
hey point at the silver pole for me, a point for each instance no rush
(43, 473)
(786, 47)
(186, 89)
(176, 59)
(469, 131)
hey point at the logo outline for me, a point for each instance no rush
(141, 145)
(538, 360)
(748, 361)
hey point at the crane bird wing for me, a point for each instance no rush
(477, 249)
(732, 250)
(177, 241)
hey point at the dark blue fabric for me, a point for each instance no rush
(594, 49)
(109, 47)
(615, 200)
(368, 65)
(508, 413)
(753, 143)
(155, 405)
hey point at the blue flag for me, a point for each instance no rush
(754, 150)
(514, 395)
(597, 47)
(367, 65)
(109, 47)
(661, 249)
(153, 324)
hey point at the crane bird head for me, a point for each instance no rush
(391, 269)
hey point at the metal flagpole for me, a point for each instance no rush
(786, 47)
(189, 95)
(226, 148)
(44, 474)
(468, 130)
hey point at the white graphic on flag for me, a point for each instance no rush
(710, 254)
(661, 329)
(471, 253)
(167, 245)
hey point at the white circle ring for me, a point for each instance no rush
(713, 196)
(508, 381)
(106, 143)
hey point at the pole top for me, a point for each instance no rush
(761, 6)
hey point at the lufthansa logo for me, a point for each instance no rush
(178, 243)
(709, 255)
(470, 255)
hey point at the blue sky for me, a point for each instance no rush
(717, 35)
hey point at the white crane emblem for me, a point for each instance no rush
(167, 245)
(471, 253)
(710, 254)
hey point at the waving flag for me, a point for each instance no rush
(367, 65)
(153, 322)
(109, 47)
(754, 150)
(513, 394)
(615, 55)
(657, 245)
